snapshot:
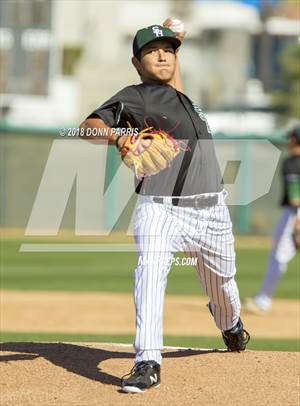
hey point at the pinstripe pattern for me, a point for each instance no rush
(160, 231)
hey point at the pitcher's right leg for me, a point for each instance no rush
(155, 234)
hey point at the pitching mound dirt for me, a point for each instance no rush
(64, 374)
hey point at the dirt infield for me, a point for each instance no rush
(86, 375)
(113, 313)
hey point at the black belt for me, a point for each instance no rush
(197, 202)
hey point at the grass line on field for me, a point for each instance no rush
(67, 235)
(198, 342)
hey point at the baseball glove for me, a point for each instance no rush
(149, 152)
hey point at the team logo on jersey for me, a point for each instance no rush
(202, 116)
(157, 31)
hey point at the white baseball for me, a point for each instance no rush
(177, 25)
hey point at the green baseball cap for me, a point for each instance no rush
(153, 33)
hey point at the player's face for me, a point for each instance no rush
(157, 62)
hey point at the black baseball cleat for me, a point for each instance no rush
(236, 338)
(144, 375)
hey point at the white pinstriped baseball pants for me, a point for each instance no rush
(161, 230)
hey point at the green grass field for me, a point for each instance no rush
(112, 272)
(180, 341)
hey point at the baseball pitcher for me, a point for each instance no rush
(181, 203)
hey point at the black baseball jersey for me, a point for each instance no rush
(291, 179)
(195, 169)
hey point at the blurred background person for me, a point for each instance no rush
(284, 245)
